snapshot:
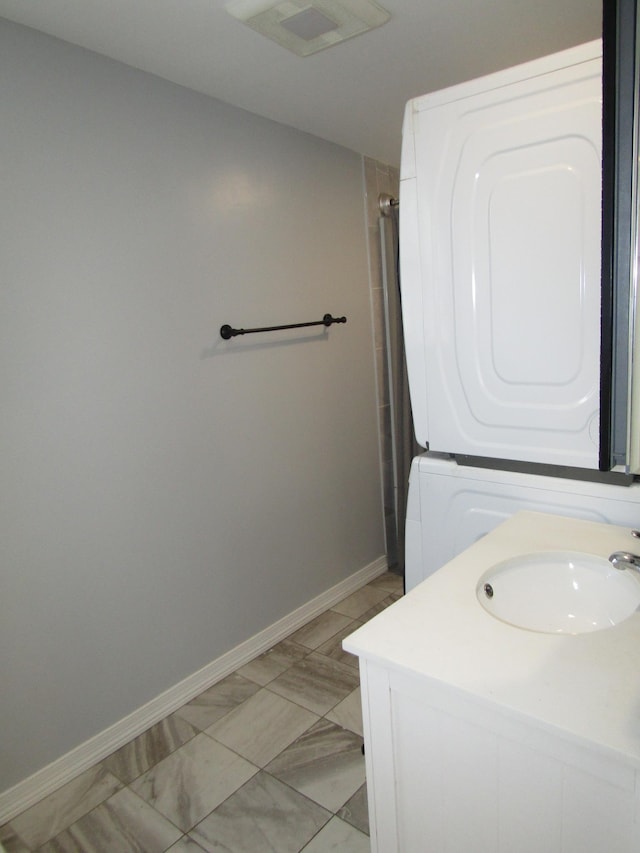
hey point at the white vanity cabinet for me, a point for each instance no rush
(447, 773)
(484, 737)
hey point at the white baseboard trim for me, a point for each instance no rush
(43, 782)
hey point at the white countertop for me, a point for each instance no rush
(587, 686)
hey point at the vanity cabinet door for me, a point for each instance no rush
(449, 775)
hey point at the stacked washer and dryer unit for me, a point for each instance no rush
(500, 233)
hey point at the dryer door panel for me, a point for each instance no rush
(508, 187)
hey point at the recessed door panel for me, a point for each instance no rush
(508, 184)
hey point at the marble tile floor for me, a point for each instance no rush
(268, 759)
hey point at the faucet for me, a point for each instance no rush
(625, 560)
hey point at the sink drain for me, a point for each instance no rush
(488, 590)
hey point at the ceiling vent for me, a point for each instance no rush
(307, 26)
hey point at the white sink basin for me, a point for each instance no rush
(559, 592)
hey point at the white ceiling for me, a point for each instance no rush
(352, 94)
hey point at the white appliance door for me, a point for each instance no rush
(500, 251)
(451, 506)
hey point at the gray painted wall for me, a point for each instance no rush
(165, 495)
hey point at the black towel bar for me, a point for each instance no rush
(227, 332)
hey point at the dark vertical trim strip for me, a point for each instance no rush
(609, 31)
(619, 83)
